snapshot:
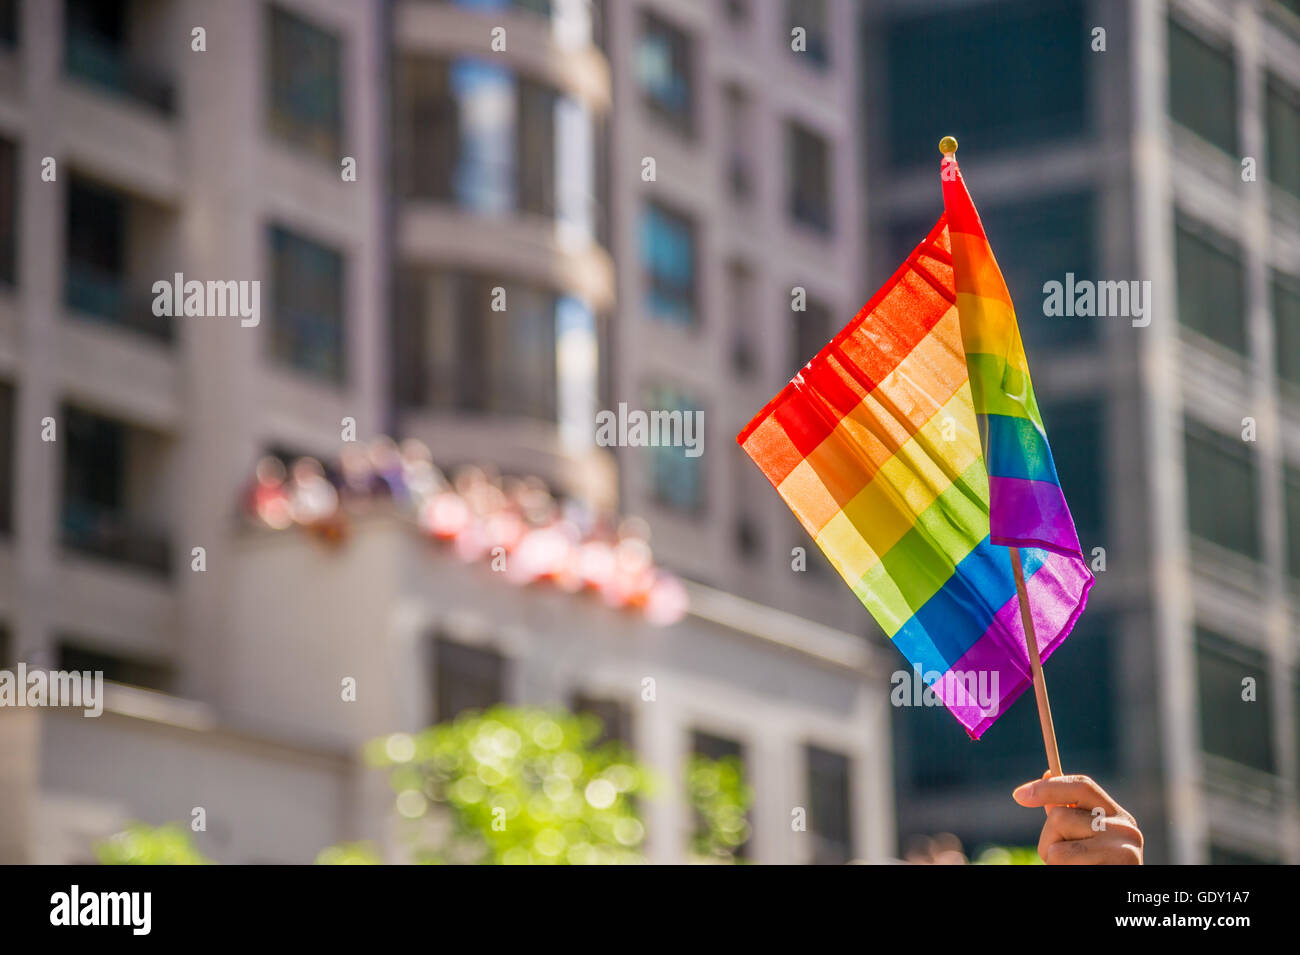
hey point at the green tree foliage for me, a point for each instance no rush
(717, 791)
(515, 785)
(142, 844)
(1009, 855)
(519, 785)
(349, 853)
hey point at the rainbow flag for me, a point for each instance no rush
(911, 448)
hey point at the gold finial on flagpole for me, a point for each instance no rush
(948, 146)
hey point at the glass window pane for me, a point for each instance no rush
(830, 818)
(1283, 106)
(676, 479)
(813, 17)
(8, 211)
(809, 170)
(1292, 503)
(466, 678)
(7, 457)
(1286, 326)
(305, 67)
(1211, 288)
(1232, 727)
(1221, 491)
(307, 292)
(484, 178)
(991, 107)
(668, 261)
(1203, 88)
(813, 330)
(663, 70)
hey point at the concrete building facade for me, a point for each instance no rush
(391, 173)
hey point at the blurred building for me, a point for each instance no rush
(434, 196)
(1130, 141)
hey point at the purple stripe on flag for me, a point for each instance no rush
(1028, 513)
(1001, 652)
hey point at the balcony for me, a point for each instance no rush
(101, 295)
(105, 46)
(100, 532)
(117, 245)
(114, 475)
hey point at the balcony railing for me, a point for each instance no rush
(108, 67)
(110, 535)
(96, 293)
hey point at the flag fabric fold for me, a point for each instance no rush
(912, 450)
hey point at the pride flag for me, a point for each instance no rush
(911, 448)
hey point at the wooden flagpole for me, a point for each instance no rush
(1036, 666)
(948, 147)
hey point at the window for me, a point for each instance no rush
(615, 718)
(1203, 88)
(427, 130)
(307, 327)
(101, 47)
(740, 171)
(663, 71)
(471, 132)
(1291, 481)
(1075, 431)
(829, 806)
(668, 262)
(812, 329)
(96, 257)
(485, 170)
(116, 667)
(305, 67)
(459, 353)
(809, 168)
(98, 282)
(535, 134)
(812, 16)
(1221, 491)
(992, 108)
(1224, 855)
(9, 19)
(749, 539)
(1211, 287)
(744, 319)
(8, 211)
(113, 477)
(1233, 727)
(1283, 107)
(465, 678)
(8, 454)
(540, 7)
(1286, 326)
(721, 749)
(676, 480)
